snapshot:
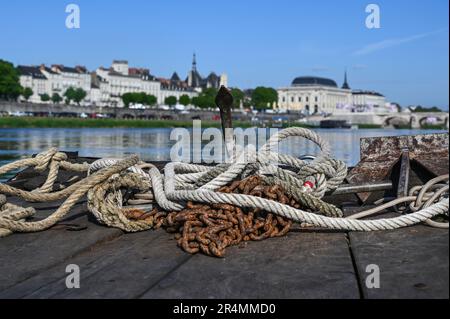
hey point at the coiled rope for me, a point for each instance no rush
(306, 181)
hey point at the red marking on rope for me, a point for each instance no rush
(308, 184)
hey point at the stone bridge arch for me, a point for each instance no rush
(397, 120)
(421, 119)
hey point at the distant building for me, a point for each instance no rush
(311, 94)
(196, 81)
(32, 77)
(63, 77)
(57, 79)
(117, 80)
(369, 101)
(316, 95)
(105, 86)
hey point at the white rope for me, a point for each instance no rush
(183, 182)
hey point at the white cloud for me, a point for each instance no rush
(377, 46)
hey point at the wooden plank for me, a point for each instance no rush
(25, 255)
(300, 265)
(150, 265)
(413, 262)
(122, 268)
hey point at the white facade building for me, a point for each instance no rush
(33, 78)
(370, 101)
(120, 79)
(104, 87)
(316, 95)
(311, 95)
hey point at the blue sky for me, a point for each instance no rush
(256, 42)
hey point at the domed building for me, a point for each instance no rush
(315, 95)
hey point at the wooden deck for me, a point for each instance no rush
(413, 262)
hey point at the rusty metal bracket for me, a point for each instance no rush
(381, 155)
(359, 188)
(224, 101)
(403, 179)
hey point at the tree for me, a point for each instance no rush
(45, 97)
(76, 95)
(56, 98)
(79, 95)
(69, 95)
(10, 88)
(238, 96)
(264, 97)
(27, 93)
(206, 98)
(127, 98)
(170, 100)
(421, 109)
(195, 101)
(185, 100)
(141, 98)
(150, 100)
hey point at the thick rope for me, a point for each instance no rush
(306, 181)
(183, 182)
(16, 224)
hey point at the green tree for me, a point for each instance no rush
(150, 100)
(45, 97)
(238, 96)
(202, 101)
(420, 109)
(139, 97)
(170, 100)
(264, 97)
(56, 98)
(79, 95)
(127, 99)
(210, 92)
(205, 99)
(195, 101)
(10, 88)
(69, 95)
(27, 93)
(185, 100)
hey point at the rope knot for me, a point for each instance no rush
(44, 159)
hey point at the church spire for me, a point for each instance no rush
(345, 85)
(194, 63)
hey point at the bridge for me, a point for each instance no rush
(413, 120)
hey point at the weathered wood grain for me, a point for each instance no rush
(305, 264)
(122, 268)
(301, 265)
(413, 262)
(25, 255)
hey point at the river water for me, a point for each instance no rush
(155, 144)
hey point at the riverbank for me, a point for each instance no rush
(68, 122)
(44, 122)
